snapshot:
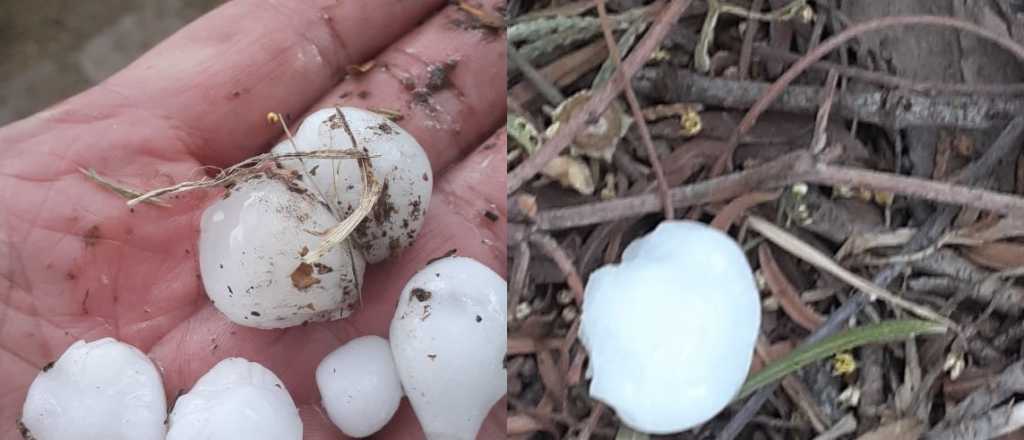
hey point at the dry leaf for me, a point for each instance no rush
(999, 255)
(784, 291)
(902, 429)
(571, 173)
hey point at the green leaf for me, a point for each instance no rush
(882, 332)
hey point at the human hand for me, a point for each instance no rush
(77, 263)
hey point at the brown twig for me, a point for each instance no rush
(551, 248)
(818, 52)
(878, 107)
(784, 291)
(638, 117)
(601, 98)
(770, 175)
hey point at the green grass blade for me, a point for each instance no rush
(882, 332)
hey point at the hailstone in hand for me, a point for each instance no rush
(359, 386)
(448, 338)
(104, 389)
(398, 162)
(251, 246)
(671, 329)
(236, 399)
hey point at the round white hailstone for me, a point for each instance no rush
(250, 248)
(401, 165)
(448, 338)
(359, 385)
(671, 330)
(102, 389)
(236, 399)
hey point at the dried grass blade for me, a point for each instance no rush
(818, 259)
(371, 191)
(119, 189)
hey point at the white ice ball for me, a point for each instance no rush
(102, 389)
(359, 385)
(251, 243)
(448, 337)
(400, 164)
(236, 399)
(671, 330)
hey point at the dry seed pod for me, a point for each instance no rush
(399, 163)
(597, 140)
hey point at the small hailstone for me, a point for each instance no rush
(359, 385)
(102, 389)
(250, 245)
(671, 330)
(236, 399)
(400, 164)
(448, 339)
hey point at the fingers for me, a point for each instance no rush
(446, 79)
(214, 81)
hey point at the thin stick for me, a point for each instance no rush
(601, 99)
(835, 41)
(634, 106)
(821, 121)
(818, 259)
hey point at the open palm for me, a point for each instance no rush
(77, 263)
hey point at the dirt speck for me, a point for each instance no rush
(421, 295)
(385, 207)
(432, 356)
(91, 236)
(254, 313)
(48, 366)
(25, 433)
(479, 318)
(439, 75)
(303, 251)
(491, 215)
(302, 277)
(322, 268)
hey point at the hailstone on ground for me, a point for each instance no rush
(359, 386)
(671, 330)
(236, 399)
(399, 162)
(448, 338)
(251, 246)
(104, 389)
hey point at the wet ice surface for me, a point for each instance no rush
(102, 389)
(236, 399)
(671, 330)
(359, 386)
(448, 338)
(251, 244)
(400, 164)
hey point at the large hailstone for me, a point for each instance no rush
(359, 386)
(400, 164)
(236, 399)
(102, 389)
(671, 330)
(251, 246)
(448, 339)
